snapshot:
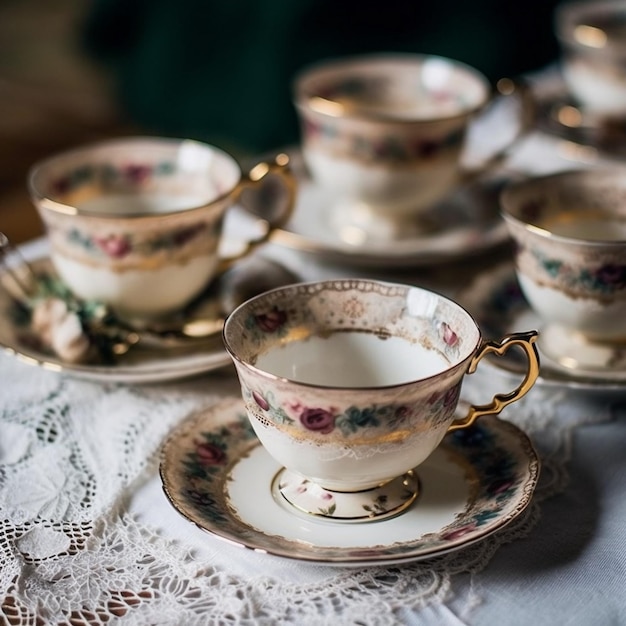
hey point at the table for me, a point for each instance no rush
(88, 537)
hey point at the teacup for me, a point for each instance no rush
(570, 235)
(592, 35)
(136, 223)
(351, 384)
(385, 135)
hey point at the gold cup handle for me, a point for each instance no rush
(526, 341)
(253, 180)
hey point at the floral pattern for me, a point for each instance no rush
(498, 473)
(210, 452)
(118, 242)
(389, 148)
(497, 459)
(126, 176)
(375, 504)
(121, 245)
(356, 305)
(603, 279)
(271, 321)
(324, 420)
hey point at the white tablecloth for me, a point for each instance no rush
(87, 535)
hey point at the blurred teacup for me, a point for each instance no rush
(351, 384)
(592, 35)
(385, 135)
(136, 223)
(570, 235)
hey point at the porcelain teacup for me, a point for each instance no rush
(570, 235)
(592, 36)
(136, 223)
(385, 136)
(351, 384)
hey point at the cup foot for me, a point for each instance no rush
(369, 505)
(575, 352)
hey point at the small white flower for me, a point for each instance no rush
(68, 339)
(60, 330)
(46, 314)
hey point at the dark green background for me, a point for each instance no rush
(222, 71)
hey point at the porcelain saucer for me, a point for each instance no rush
(137, 366)
(467, 222)
(497, 303)
(218, 476)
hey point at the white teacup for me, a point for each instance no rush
(570, 234)
(351, 384)
(136, 223)
(385, 135)
(592, 35)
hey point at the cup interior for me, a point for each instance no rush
(353, 333)
(393, 87)
(134, 177)
(586, 206)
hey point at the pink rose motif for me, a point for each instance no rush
(318, 420)
(449, 336)
(271, 321)
(447, 398)
(209, 454)
(611, 275)
(136, 173)
(459, 532)
(115, 246)
(260, 400)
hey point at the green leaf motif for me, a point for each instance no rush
(552, 266)
(330, 511)
(355, 418)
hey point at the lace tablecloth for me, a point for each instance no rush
(87, 535)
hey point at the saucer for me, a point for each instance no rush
(465, 223)
(217, 475)
(497, 303)
(137, 366)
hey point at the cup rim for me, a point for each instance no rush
(274, 377)
(568, 16)
(303, 97)
(509, 208)
(45, 201)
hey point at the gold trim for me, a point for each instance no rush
(527, 342)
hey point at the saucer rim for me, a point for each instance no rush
(393, 254)
(550, 374)
(164, 369)
(531, 471)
